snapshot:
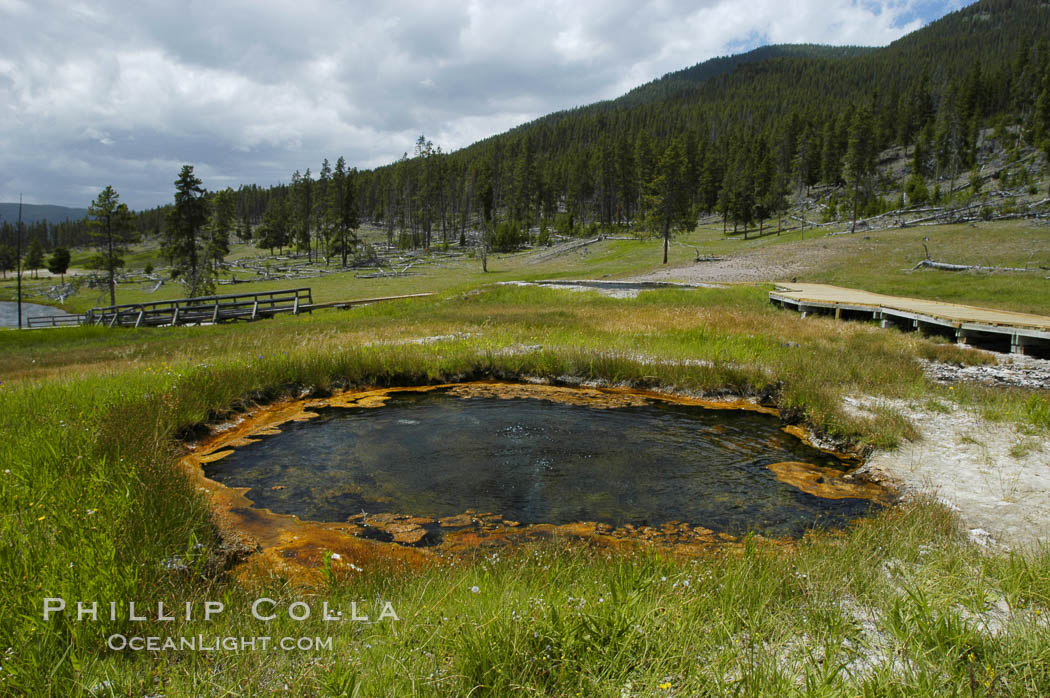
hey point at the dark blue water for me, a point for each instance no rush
(534, 461)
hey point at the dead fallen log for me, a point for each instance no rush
(944, 266)
(564, 249)
(946, 213)
(384, 275)
(811, 224)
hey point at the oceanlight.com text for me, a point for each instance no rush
(201, 643)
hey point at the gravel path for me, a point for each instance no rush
(780, 263)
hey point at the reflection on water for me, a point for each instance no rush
(434, 454)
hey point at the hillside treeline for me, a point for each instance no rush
(736, 137)
(736, 141)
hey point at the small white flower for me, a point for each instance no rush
(475, 590)
(337, 556)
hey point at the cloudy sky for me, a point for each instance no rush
(125, 93)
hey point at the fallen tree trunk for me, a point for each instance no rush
(811, 224)
(944, 266)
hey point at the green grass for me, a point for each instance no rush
(890, 255)
(548, 621)
(95, 509)
(898, 605)
(555, 621)
(433, 274)
(879, 261)
(883, 261)
(748, 346)
(137, 257)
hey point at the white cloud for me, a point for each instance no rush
(248, 91)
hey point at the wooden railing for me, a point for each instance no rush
(36, 321)
(203, 309)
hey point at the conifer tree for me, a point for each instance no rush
(763, 196)
(831, 157)
(321, 199)
(605, 180)
(1041, 117)
(244, 230)
(276, 225)
(344, 209)
(58, 262)
(667, 200)
(644, 165)
(302, 201)
(7, 259)
(627, 189)
(860, 158)
(921, 163)
(711, 176)
(111, 228)
(186, 242)
(949, 141)
(222, 220)
(34, 258)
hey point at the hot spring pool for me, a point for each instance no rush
(530, 460)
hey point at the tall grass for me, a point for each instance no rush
(94, 509)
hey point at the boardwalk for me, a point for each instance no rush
(206, 310)
(998, 330)
(203, 309)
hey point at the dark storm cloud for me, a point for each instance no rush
(114, 93)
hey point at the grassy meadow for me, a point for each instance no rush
(95, 509)
(880, 261)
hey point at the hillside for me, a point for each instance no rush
(33, 213)
(744, 136)
(990, 36)
(747, 138)
(684, 83)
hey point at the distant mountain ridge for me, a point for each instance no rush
(31, 213)
(689, 78)
(769, 82)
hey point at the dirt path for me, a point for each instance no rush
(781, 263)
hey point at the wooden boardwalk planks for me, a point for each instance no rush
(1002, 330)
